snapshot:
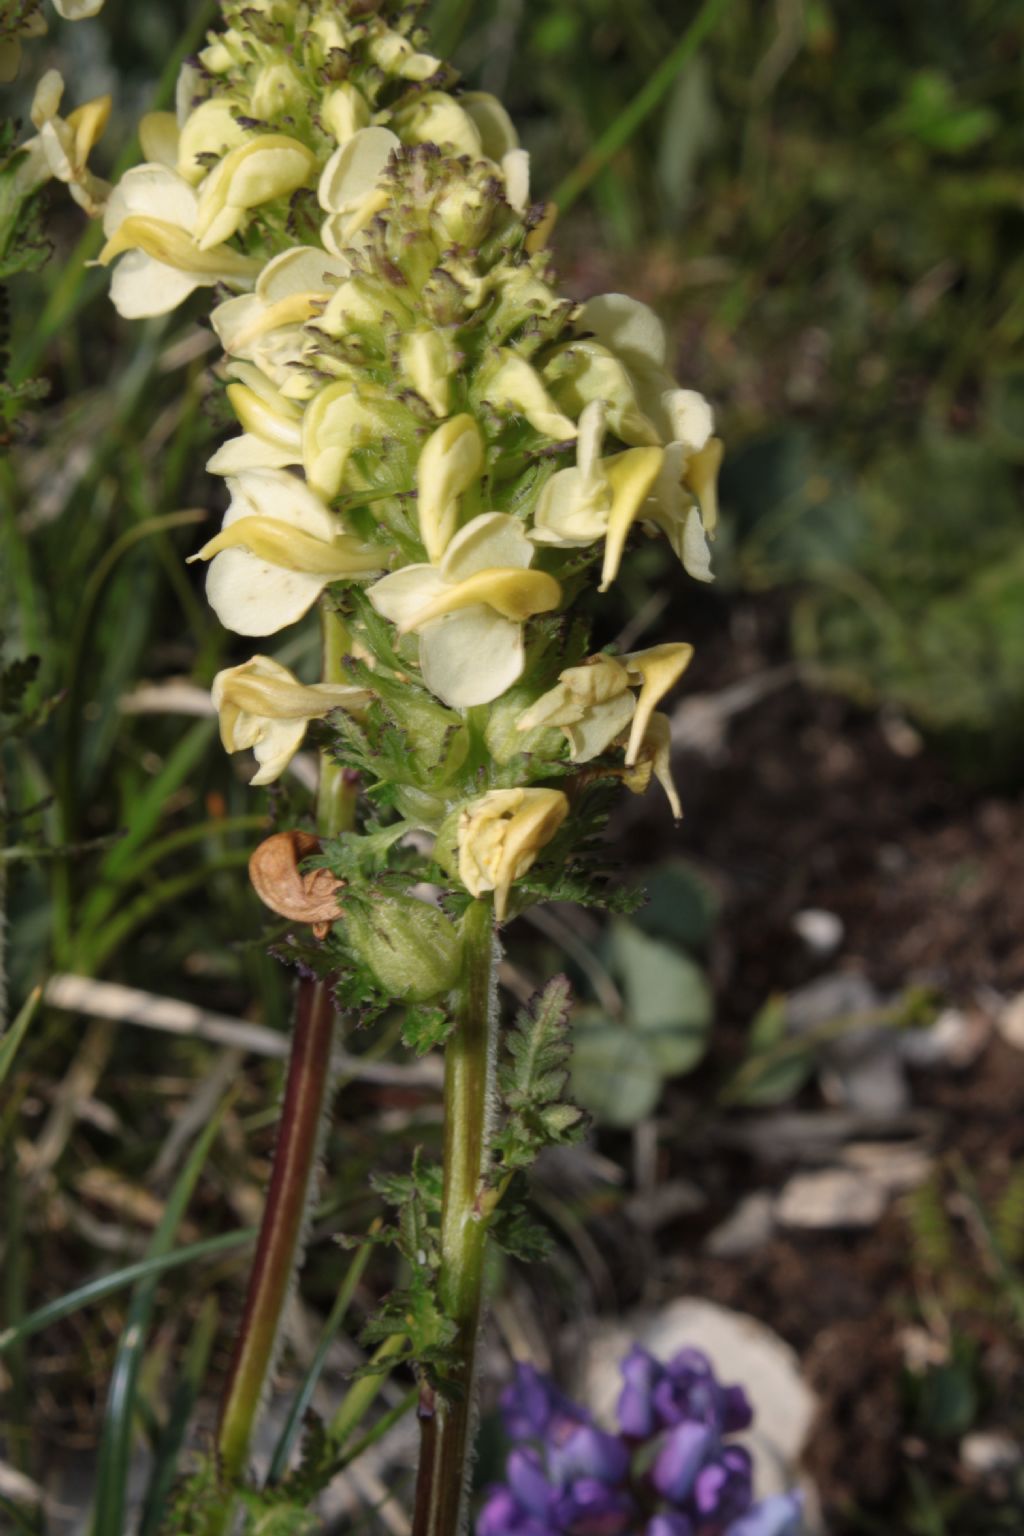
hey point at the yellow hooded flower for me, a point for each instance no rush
(654, 759)
(684, 504)
(259, 171)
(279, 547)
(272, 425)
(264, 708)
(350, 189)
(265, 327)
(338, 420)
(469, 609)
(61, 146)
(598, 498)
(500, 836)
(150, 222)
(594, 704)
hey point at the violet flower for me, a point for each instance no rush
(668, 1471)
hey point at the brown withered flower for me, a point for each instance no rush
(310, 897)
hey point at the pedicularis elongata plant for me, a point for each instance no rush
(440, 453)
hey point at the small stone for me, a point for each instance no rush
(895, 1165)
(956, 1039)
(989, 1451)
(1010, 1022)
(749, 1227)
(821, 931)
(830, 1199)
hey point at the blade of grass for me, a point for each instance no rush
(10, 1043)
(21, 1522)
(183, 1399)
(618, 133)
(114, 1461)
(107, 1285)
(304, 1395)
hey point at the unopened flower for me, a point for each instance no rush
(451, 461)
(469, 609)
(61, 146)
(500, 836)
(264, 708)
(429, 359)
(263, 168)
(339, 419)
(150, 222)
(210, 131)
(512, 385)
(279, 547)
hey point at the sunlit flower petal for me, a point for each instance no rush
(500, 836)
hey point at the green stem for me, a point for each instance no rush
(278, 1247)
(619, 133)
(447, 1421)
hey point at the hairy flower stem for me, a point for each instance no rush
(278, 1245)
(447, 1422)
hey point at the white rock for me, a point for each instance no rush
(986, 1451)
(749, 1226)
(829, 1199)
(1010, 1022)
(895, 1165)
(821, 931)
(955, 1039)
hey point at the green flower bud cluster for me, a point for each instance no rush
(437, 448)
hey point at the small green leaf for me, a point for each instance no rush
(614, 1073)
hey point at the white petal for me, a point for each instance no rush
(600, 725)
(141, 287)
(591, 429)
(690, 418)
(355, 168)
(403, 594)
(696, 554)
(631, 330)
(571, 511)
(492, 540)
(247, 451)
(251, 597)
(471, 657)
(155, 192)
(273, 493)
(515, 168)
(304, 269)
(278, 744)
(496, 129)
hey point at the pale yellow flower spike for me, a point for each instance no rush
(630, 476)
(500, 836)
(659, 669)
(451, 461)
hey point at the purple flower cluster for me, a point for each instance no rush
(669, 1471)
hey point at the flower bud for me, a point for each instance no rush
(277, 90)
(344, 112)
(413, 949)
(437, 118)
(512, 385)
(452, 460)
(429, 359)
(257, 172)
(500, 836)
